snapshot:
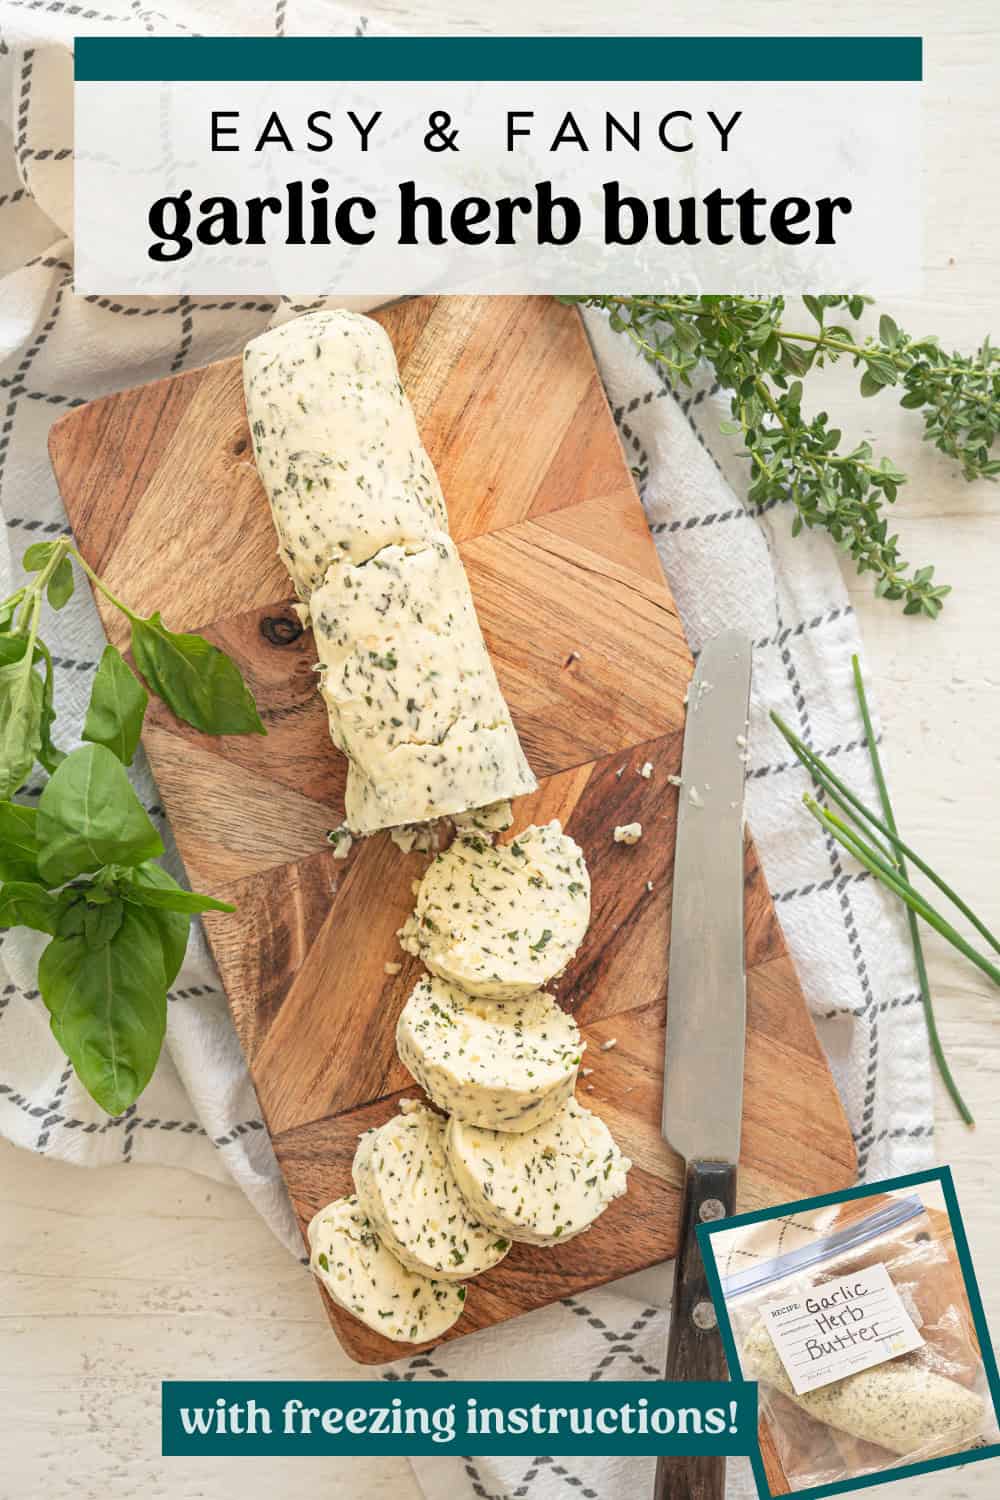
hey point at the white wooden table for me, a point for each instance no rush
(115, 1280)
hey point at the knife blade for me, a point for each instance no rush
(706, 1017)
(706, 995)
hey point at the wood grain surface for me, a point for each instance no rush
(591, 657)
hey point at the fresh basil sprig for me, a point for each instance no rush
(198, 682)
(117, 924)
(79, 867)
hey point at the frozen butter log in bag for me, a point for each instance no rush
(902, 1405)
(861, 1341)
(409, 687)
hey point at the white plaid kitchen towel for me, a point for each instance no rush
(726, 565)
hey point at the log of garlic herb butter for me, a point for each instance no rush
(501, 920)
(366, 1280)
(406, 1188)
(362, 528)
(503, 1064)
(900, 1405)
(544, 1186)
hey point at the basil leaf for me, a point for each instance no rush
(89, 816)
(18, 842)
(59, 590)
(109, 1007)
(73, 917)
(21, 701)
(102, 921)
(49, 753)
(174, 898)
(25, 903)
(8, 609)
(37, 555)
(117, 705)
(199, 682)
(12, 649)
(174, 927)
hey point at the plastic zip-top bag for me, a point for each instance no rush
(862, 1344)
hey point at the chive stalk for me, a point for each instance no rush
(916, 943)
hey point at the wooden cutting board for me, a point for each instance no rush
(164, 499)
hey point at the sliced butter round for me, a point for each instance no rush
(502, 1064)
(366, 1280)
(542, 1187)
(405, 1186)
(501, 920)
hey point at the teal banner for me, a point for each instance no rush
(479, 1418)
(844, 59)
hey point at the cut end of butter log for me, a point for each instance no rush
(542, 1187)
(501, 920)
(502, 1064)
(367, 1281)
(406, 1187)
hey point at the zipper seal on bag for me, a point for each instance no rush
(890, 1216)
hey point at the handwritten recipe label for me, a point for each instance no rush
(841, 1327)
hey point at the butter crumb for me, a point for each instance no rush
(341, 840)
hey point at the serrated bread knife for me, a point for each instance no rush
(706, 1017)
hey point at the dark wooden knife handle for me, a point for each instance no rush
(694, 1349)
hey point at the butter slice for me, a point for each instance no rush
(406, 1188)
(542, 1187)
(502, 1064)
(367, 1281)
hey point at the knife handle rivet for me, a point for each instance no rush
(703, 1315)
(712, 1208)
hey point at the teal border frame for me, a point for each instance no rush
(583, 59)
(942, 1175)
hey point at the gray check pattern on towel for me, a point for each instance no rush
(727, 565)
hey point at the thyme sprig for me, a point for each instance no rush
(800, 458)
